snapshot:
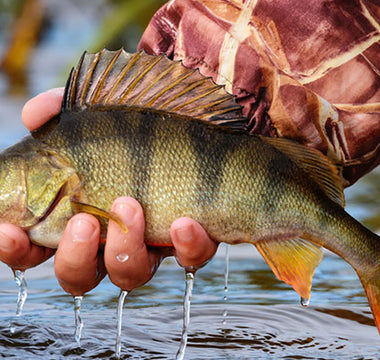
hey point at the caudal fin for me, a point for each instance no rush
(372, 288)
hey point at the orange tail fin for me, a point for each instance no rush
(372, 288)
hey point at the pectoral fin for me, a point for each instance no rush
(292, 261)
(93, 210)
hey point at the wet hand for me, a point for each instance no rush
(79, 266)
(127, 260)
(130, 263)
(17, 251)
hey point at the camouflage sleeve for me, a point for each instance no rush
(306, 70)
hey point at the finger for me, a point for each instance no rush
(17, 251)
(128, 262)
(38, 110)
(193, 247)
(77, 266)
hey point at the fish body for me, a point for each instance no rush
(282, 197)
(238, 186)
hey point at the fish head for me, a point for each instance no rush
(36, 186)
(13, 189)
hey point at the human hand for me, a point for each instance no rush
(79, 266)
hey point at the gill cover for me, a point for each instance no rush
(31, 180)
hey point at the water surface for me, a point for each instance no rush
(264, 318)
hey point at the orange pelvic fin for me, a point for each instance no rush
(292, 261)
(93, 210)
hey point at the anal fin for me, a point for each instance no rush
(292, 261)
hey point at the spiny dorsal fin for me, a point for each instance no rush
(292, 261)
(120, 78)
(318, 166)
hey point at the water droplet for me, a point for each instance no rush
(194, 269)
(78, 319)
(22, 291)
(305, 302)
(186, 315)
(224, 322)
(120, 305)
(226, 274)
(122, 257)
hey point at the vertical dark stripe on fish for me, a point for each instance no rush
(141, 152)
(212, 150)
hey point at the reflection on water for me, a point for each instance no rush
(263, 321)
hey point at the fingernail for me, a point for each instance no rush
(6, 243)
(59, 91)
(126, 212)
(185, 233)
(81, 230)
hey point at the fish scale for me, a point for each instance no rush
(276, 197)
(107, 142)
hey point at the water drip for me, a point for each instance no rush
(186, 315)
(21, 297)
(226, 274)
(120, 305)
(22, 291)
(305, 302)
(78, 319)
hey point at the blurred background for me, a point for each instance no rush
(40, 40)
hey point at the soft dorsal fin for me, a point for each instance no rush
(155, 82)
(292, 261)
(318, 166)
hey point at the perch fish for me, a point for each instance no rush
(147, 127)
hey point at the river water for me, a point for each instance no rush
(263, 320)
(260, 319)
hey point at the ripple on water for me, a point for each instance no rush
(251, 331)
(261, 321)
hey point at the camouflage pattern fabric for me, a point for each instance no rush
(305, 70)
